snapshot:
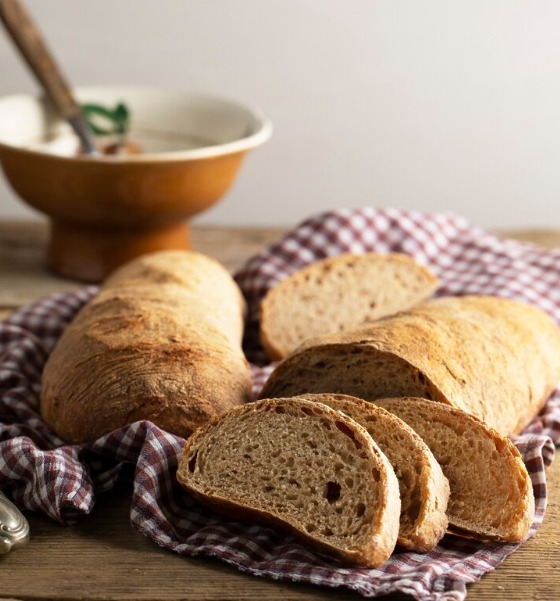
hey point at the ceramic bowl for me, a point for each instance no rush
(105, 210)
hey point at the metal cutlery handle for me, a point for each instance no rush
(14, 529)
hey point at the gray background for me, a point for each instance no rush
(433, 105)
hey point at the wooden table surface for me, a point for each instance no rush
(104, 558)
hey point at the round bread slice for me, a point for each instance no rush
(300, 466)
(491, 492)
(338, 294)
(423, 487)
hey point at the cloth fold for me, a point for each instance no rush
(43, 474)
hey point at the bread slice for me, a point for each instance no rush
(301, 466)
(423, 488)
(496, 358)
(338, 294)
(491, 492)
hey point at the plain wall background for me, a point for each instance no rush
(436, 105)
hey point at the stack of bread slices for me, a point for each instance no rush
(356, 479)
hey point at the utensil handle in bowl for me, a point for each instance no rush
(32, 47)
(34, 50)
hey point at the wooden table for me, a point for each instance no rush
(104, 558)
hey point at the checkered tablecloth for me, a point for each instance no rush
(42, 474)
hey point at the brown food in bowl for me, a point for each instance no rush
(121, 148)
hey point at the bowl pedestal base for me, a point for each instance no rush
(88, 253)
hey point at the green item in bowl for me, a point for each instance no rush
(104, 121)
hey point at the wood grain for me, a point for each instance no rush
(104, 558)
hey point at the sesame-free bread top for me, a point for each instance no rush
(423, 488)
(491, 492)
(338, 294)
(300, 466)
(496, 358)
(161, 341)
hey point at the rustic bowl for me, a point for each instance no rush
(105, 210)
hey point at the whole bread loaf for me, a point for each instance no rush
(339, 294)
(495, 358)
(300, 466)
(161, 341)
(491, 491)
(423, 487)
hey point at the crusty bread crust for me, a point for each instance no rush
(495, 358)
(491, 491)
(225, 462)
(338, 294)
(423, 487)
(161, 341)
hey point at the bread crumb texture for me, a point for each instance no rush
(303, 466)
(491, 491)
(339, 294)
(496, 358)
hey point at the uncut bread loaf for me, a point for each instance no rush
(491, 491)
(300, 466)
(161, 341)
(339, 294)
(495, 358)
(423, 488)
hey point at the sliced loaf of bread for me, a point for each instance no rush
(496, 358)
(339, 294)
(491, 491)
(300, 466)
(423, 487)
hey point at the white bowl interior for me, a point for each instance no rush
(162, 122)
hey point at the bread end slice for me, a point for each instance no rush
(302, 467)
(338, 294)
(491, 492)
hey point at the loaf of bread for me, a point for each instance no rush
(495, 358)
(338, 294)
(491, 492)
(161, 341)
(423, 488)
(300, 466)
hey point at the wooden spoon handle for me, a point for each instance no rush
(34, 50)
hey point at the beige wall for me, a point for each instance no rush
(432, 104)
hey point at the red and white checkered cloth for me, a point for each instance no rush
(42, 474)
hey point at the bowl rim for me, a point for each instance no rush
(261, 135)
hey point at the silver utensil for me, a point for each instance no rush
(14, 529)
(35, 52)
